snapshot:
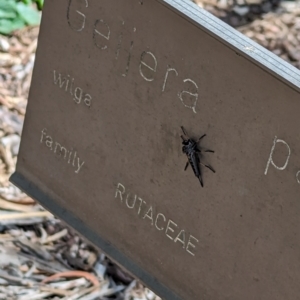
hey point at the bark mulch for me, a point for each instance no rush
(40, 257)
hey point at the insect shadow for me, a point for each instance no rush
(193, 153)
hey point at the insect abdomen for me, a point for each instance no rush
(194, 162)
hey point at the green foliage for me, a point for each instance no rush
(17, 14)
(39, 3)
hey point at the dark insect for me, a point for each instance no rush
(190, 148)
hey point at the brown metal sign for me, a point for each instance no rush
(102, 146)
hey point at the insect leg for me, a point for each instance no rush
(212, 151)
(186, 166)
(209, 167)
(201, 137)
(184, 132)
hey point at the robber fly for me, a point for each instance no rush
(190, 148)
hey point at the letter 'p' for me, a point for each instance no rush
(270, 160)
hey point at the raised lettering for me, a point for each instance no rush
(196, 95)
(74, 158)
(149, 214)
(141, 203)
(270, 160)
(133, 202)
(43, 134)
(88, 100)
(70, 155)
(105, 36)
(71, 87)
(61, 148)
(49, 142)
(170, 229)
(79, 165)
(58, 79)
(142, 63)
(181, 238)
(128, 60)
(119, 45)
(61, 151)
(189, 244)
(67, 85)
(118, 191)
(159, 220)
(78, 95)
(163, 217)
(79, 13)
(297, 177)
(167, 75)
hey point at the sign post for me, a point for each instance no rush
(101, 148)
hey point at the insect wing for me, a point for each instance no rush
(194, 162)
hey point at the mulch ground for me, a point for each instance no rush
(41, 258)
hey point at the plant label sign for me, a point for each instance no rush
(122, 95)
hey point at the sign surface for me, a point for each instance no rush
(113, 83)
